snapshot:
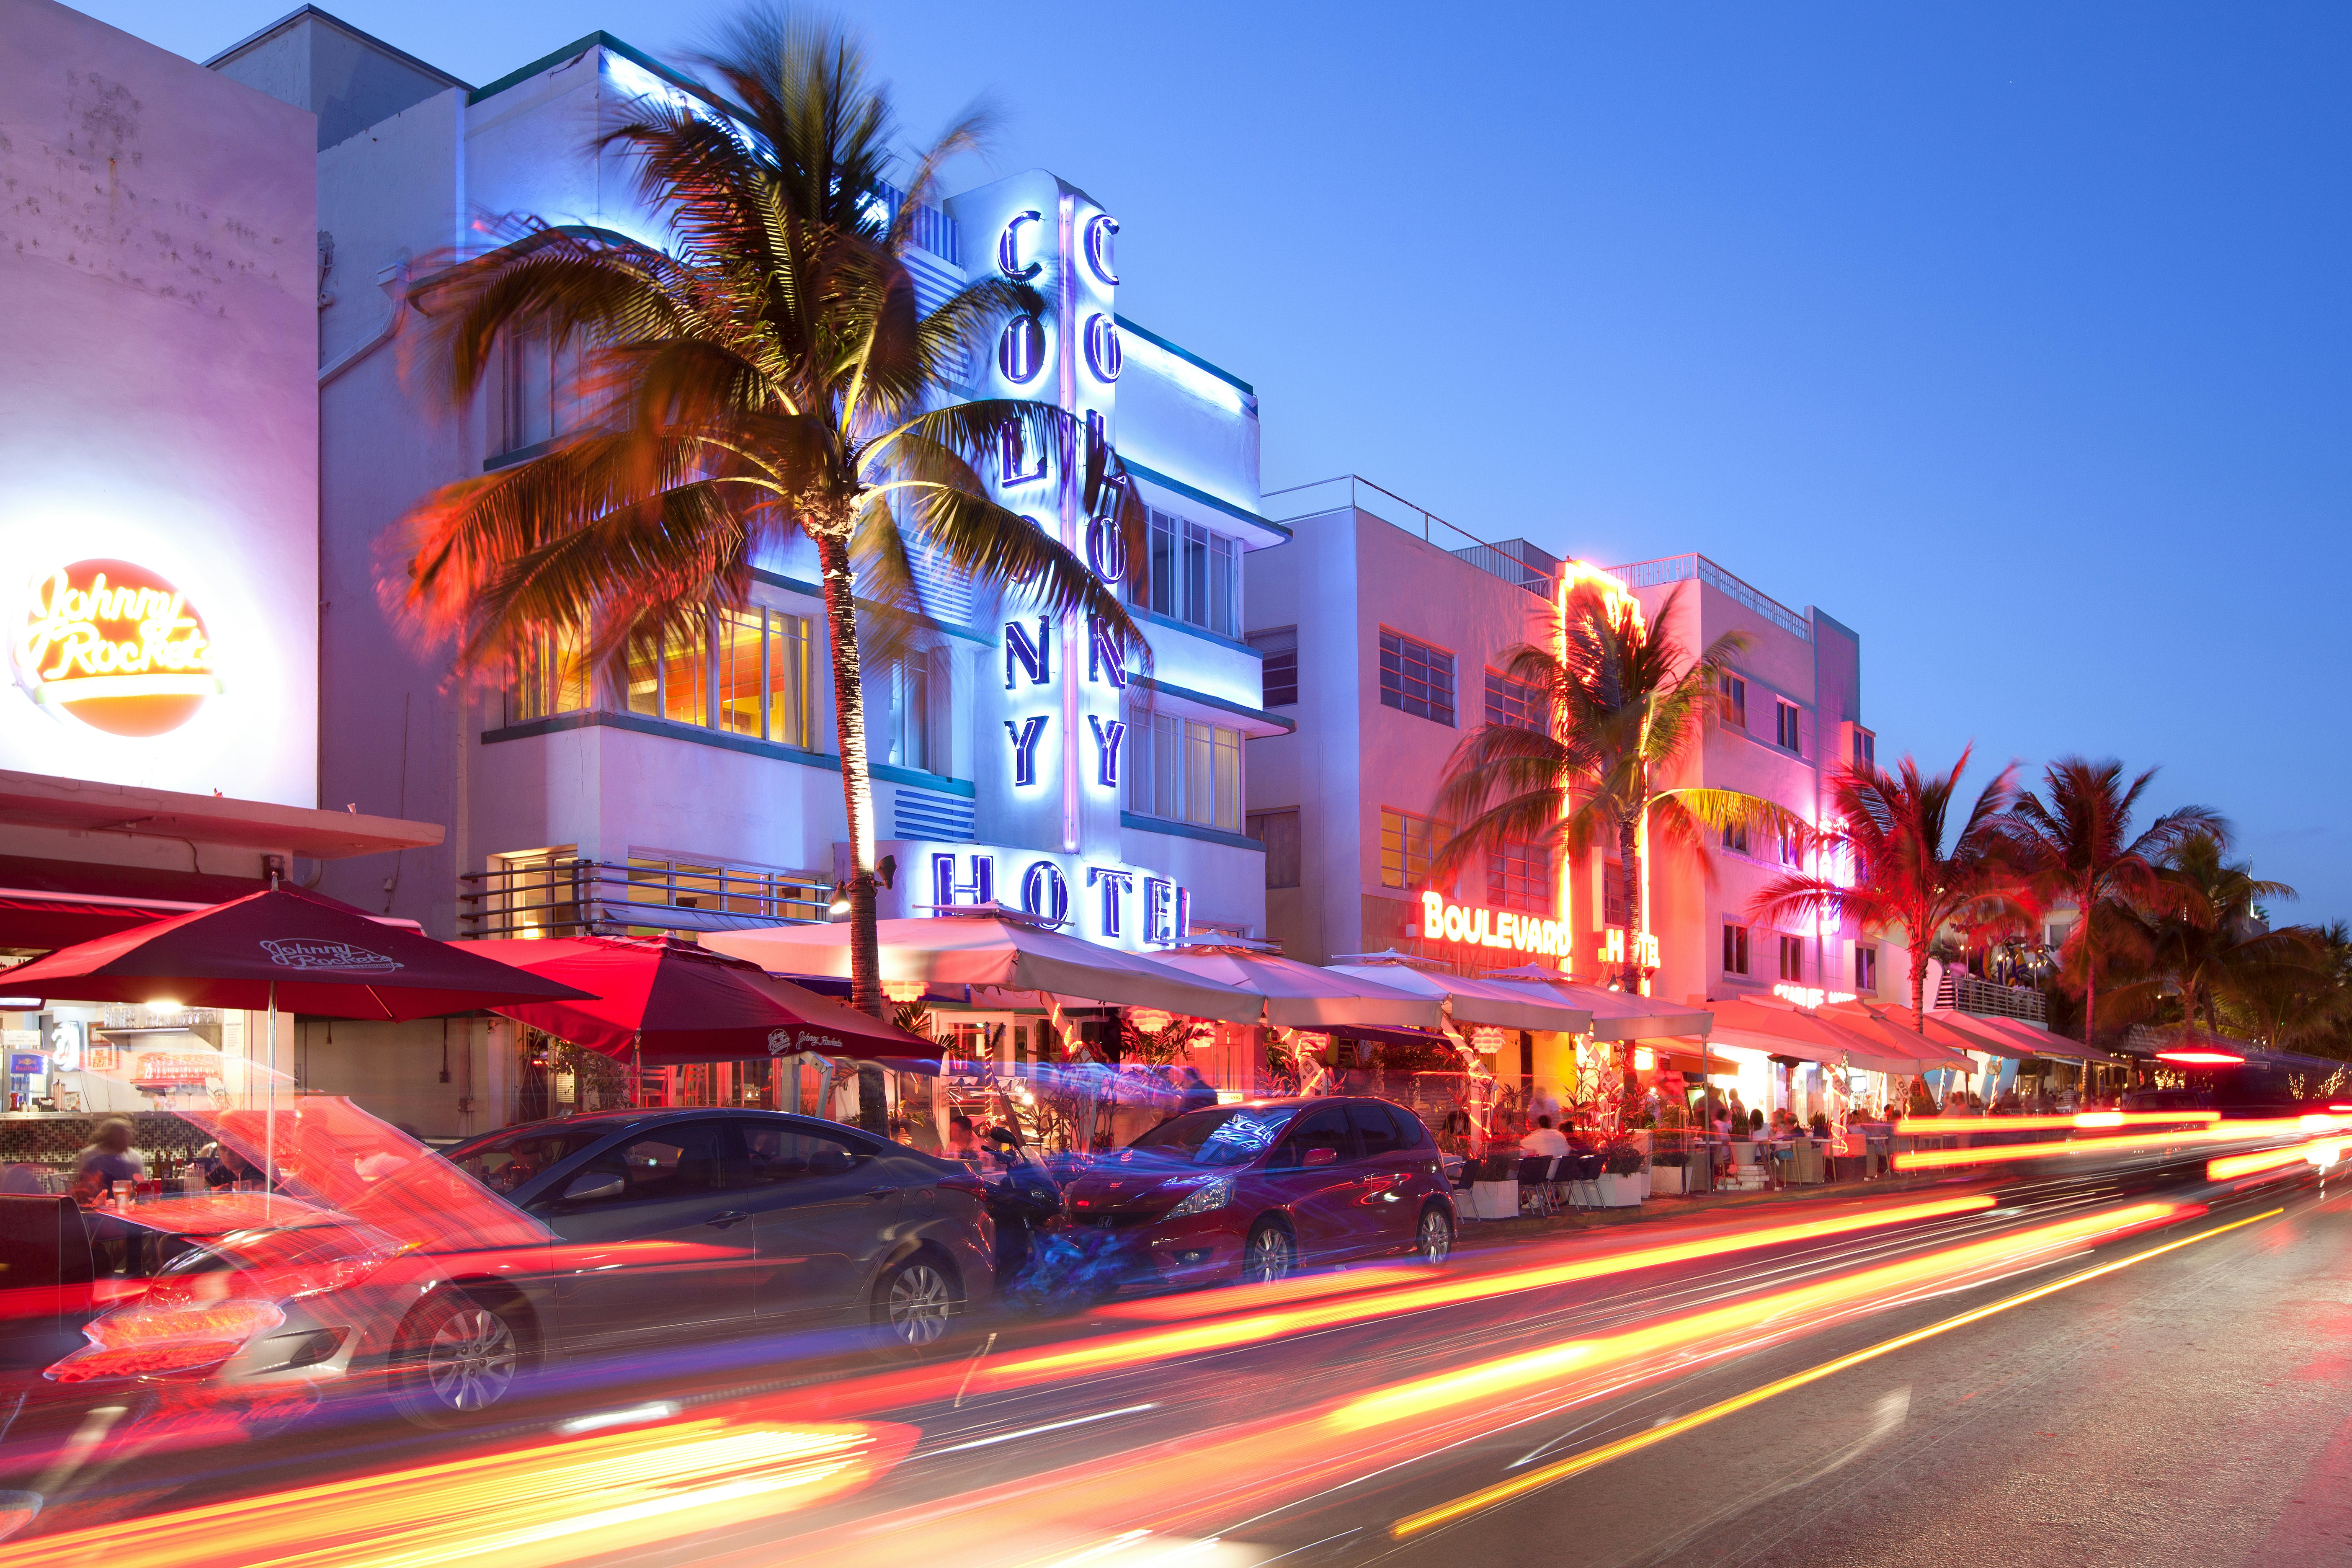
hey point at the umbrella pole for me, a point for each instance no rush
(269, 1117)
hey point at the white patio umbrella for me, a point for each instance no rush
(992, 947)
(1304, 996)
(1616, 1015)
(1496, 1004)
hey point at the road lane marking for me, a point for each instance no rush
(1590, 1459)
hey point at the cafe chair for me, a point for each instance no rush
(1536, 1182)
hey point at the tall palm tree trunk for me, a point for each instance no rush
(857, 779)
(1636, 916)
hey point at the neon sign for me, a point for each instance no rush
(1808, 995)
(117, 648)
(1646, 947)
(1444, 921)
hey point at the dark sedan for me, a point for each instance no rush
(1254, 1191)
(717, 1222)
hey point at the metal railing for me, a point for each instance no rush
(1345, 490)
(581, 898)
(1966, 993)
(1687, 568)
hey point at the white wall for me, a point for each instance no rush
(158, 270)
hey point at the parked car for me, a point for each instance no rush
(2167, 1100)
(718, 1222)
(617, 1231)
(1254, 1191)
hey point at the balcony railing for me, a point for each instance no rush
(583, 898)
(1687, 568)
(1351, 491)
(1966, 993)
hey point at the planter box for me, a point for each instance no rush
(1667, 1179)
(1620, 1192)
(1494, 1200)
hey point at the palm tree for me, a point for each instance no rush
(1890, 831)
(1627, 702)
(2209, 941)
(770, 375)
(2078, 846)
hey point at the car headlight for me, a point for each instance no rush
(1202, 1199)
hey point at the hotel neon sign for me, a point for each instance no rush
(1444, 921)
(1646, 947)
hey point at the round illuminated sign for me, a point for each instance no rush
(117, 647)
(1100, 230)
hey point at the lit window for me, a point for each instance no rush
(1784, 725)
(1793, 958)
(1181, 770)
(1407, 844)
(1516, 704)
(1278, 831)
(1518, 877)
(1416, 677)
(900, 699)
(1732, 694)
(747, 675)
(550, 677)
(1734, 949)
(1280, 675)
(1192, 574)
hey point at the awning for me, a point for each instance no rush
(50, 904)
(1781, 1030)
(1616, 1015)
(1891, 1047)
(1306, 996)
(1496, 1004)
(2040, 1042)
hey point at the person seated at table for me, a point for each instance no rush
(1755, 1124)
(109, 1159)
(1544, 1142)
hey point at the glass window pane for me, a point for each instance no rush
(1167, 765)
(1229, 779)
(1164, 596)
(788, 680)
(644, 677)
(1224, 586)
(739, 671)
(686, 679)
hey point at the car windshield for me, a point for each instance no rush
(505, 1162)
(1228, 1135)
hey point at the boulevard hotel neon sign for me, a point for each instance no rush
(1444, 921)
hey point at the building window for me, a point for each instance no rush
(1516, 704)
(1793, 958)
(1865, 748)
(1616, 906)
(903, 691)
(1865, 968)
(1784, 725)
(1407, 843)
(1416, 677)
(722, 886)
(550, 677)
(537, 392)
(1732, 694)
(1792, 850)
(746, 673)
(1278, 831)
(1734, 949)
(1735, 837)
(1518, 877)
(1281, 671)
(1181, 770)
(1194, 575)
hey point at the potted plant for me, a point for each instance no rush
(1622, 1167)
(1670, 1152)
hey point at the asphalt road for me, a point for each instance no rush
(2186, 1407)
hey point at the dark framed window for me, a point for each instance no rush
(1281, 671)
(1518, 877)
(1865, 968)
(1416, 677)
(1735, 837)
(1784, 725)
(1866, 748)
(1278, 831)
(1793, 958)
(1732, 694)
(1516, 704)
(1734, 949)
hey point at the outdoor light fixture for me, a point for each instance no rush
(840, 905)
(903, 990)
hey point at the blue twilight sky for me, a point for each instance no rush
(2013, 336)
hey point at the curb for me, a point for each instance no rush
(1474, 1233)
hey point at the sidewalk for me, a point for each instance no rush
(1474, 1233)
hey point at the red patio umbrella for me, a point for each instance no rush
(664, 1001)
(283, 949)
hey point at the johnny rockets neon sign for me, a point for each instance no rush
(1444, 921)
(116, 647)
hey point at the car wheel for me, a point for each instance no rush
(454, 1359)
(1434, 1242)
(1270, 1253)
(915, 1303)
